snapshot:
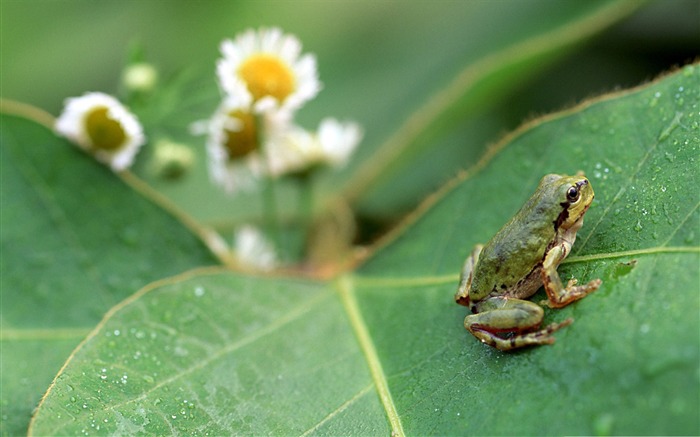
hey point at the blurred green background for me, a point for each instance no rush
(379, 62)
(54, 49)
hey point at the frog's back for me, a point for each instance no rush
(519, 247)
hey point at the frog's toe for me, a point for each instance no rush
(557, 326)
(594, 284)
(544, 335)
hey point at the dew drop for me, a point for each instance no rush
(603, 424)
(199, 291)
(638, 226)
(130, 236)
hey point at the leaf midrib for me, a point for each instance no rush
(14, 334)
(347, 293)
(414, 281)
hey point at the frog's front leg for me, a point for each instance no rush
(502, 315)
(560, 296)
(465, 279)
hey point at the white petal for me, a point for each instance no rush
(71, 124)
(338, 140)
(271, 42)
(253, 249)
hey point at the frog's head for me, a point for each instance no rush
(575, 195)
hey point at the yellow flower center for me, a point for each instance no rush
(267, 75)
(104, 133)
(241, 142)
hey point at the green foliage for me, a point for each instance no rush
(166, 342)
(75, 241)
(221, 352)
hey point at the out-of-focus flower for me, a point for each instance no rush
(299, 150)
(266, 66)
(100, 125)
(235, 140)
(140, 77)
(171, 160)
(253, 250)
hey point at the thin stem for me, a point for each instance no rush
(270, 212)
(269, 194)
(306, 197)
(306, 205)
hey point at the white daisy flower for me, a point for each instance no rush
(100, 125)
(300, 150)
(235, 142)
(253, 250)
(266, 66)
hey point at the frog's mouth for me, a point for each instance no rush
(565, 221)
(572, 216)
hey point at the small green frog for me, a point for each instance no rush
(519, 259)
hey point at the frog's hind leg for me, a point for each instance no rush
(497, 315)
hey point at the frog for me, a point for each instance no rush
(498, 277)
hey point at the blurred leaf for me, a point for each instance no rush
(75, 241)
(222, 353)
(445, 130)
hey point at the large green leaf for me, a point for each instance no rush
(383, 348)
(75, 241)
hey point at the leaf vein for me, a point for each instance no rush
(414, 281)
(347, 295)
(344, 406)
(682, 223)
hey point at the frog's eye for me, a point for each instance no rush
(573, 194)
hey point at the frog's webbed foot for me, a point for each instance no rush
(535, 338)
(571, 293)
(560, 296)
(518, 317)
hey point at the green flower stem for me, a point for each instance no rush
(305, 180)
(306, 199)
(270, 213)
(269, 194)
